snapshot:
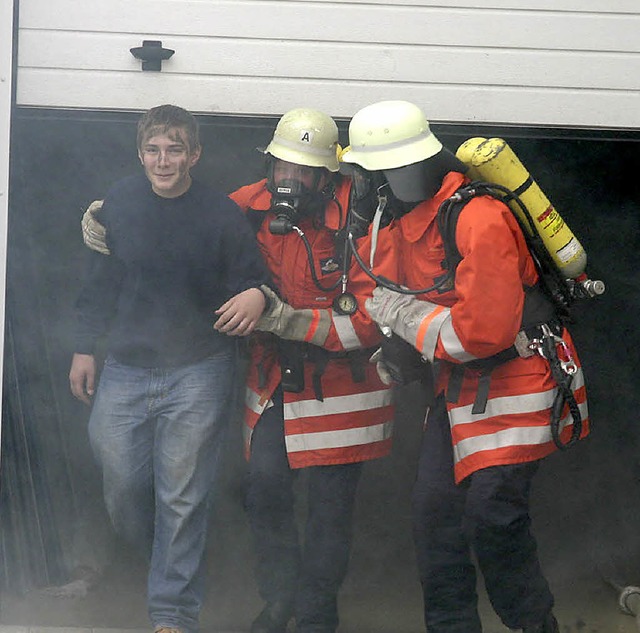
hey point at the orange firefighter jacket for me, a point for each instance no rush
(353, 422)
(478, 318)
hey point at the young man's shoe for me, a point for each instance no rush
(273, 618)
(550, 625)
(166, 629)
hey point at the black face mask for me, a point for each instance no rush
(292, 200)
(363, 200)
(395, 207)
(369, 190)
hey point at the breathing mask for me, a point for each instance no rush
(371, 193)
(296, 191)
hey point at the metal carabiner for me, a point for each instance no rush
(535, 345)
(567, 363)
(566, 360)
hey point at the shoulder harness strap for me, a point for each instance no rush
(544, 303)
(552, 282)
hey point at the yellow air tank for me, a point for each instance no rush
(465, 154)
(492, 160)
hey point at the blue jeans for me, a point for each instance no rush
(157, 434)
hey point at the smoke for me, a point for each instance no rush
(54, 528)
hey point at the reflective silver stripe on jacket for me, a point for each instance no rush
(252, 401)
(516, 436)
(338, 439)
(345, 331)
(452, 344)
(337, 404)
(427, 345)
(510, 405)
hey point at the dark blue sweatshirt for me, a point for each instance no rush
(173, 262)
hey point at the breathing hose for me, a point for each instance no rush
(387, 283)
(312, 268)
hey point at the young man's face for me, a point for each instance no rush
(167, 160)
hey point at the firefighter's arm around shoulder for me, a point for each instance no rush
(93, 233)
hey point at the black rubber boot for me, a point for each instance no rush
(550, 625)
(273, 618)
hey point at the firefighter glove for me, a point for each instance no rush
(403, 315)
(400, 362)
(389, 308)
(279, 318)
(93, 233)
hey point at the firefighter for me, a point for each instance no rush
(489, 426)
(314, 403)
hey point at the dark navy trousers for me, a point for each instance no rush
(486, 515)
(307, 575)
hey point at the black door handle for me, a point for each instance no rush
(152, 54)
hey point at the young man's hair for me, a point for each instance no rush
(161, 119)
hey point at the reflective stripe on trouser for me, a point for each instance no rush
(489, 513)
(156, 434)
(310, 576)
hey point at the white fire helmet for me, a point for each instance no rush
(306, 137)
(389, 134)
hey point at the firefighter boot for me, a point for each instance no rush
(273, 618)
(550, 625)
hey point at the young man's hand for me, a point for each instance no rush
(82, 376)
(239, 315)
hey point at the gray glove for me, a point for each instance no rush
(404, 315)
(93, 233)
(281, 319)
(386, 307)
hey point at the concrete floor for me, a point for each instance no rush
(584, 605)
(582, 526)
(381, 593)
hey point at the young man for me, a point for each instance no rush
(314, 402)
(178, 251)
(490, 424)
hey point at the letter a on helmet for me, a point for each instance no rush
(306, 137)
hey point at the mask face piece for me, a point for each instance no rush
(422, 180)
(296, 191)
(363, 202)
(367, 189)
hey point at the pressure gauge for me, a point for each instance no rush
(345, 303)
